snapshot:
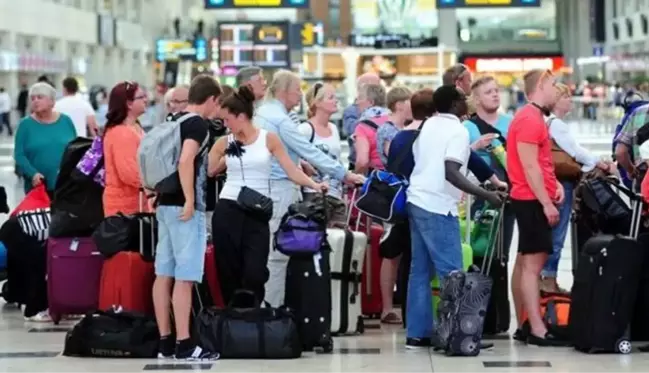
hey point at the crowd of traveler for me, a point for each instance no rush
(249, 137)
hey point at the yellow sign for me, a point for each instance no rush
(273, 33)
(256, 3)
(308, 35)
(487, 2)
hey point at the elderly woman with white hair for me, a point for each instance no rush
(41, 139)
(284, 93)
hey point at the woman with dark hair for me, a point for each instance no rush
(122, 136)
(242, 246)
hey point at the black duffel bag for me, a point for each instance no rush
(248, 333)
(138, 232)
(113, 334)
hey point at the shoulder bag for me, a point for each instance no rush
(250, 200)
(565, 166)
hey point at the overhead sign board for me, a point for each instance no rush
(487, 3)
(240, 4)
(186, 50)
(386, 41)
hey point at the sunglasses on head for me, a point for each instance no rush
(316, 88)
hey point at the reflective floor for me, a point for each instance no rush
(33, 347)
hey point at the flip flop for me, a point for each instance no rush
(391, 318)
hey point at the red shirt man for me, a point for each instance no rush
(529, 126)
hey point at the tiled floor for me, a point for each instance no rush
(35, 348)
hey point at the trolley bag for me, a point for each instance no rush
(371, 300)
(347, 256)
(73, 276)
(464, 301)
(605, 288)
(308, 295)
(127, 277)
(555, 312)
(212, 276)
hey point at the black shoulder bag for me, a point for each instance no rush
(250, 200)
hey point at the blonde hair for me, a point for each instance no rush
(532, 78)
(315, 94)
(453, 73)
(398, 94)
(482, 81)
(282, 81)
(374, 93)
(562, 90)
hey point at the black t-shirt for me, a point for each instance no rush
(194, 128)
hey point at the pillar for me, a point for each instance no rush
(447, 28)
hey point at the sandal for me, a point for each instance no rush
(391, 318)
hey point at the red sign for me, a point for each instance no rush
(513, 64)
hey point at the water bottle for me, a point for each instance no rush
(500, 154)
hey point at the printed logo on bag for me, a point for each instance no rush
(109, 353)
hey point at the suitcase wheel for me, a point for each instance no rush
(623, 346)
(56, 319)
(327, 345)
(360, 325)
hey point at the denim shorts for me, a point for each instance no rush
(180, 252)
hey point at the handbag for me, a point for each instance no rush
(113, 334)
(248, 333)
(302, 231)
(383, 196)
(91, 165)
(122, 233)
(250, 200)
(37, 198)
(565, 166)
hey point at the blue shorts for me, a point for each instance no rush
(180, 252)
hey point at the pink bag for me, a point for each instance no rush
(73, 276)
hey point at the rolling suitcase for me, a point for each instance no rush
(347, 256)
(212, 276)
(308, 294)
(127, 278)
(73, 276)
(605, 288)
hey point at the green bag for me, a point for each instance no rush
(485, 230)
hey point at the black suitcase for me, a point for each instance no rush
(308, 295)
(605, 288)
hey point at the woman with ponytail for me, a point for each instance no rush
(322, 104)
(241, 237)
(122, 136)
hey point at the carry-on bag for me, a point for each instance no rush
(248, 333)
(555, 312)
(113, 334)
(605, 287)
(127, 277)
(73, 276)
(212, 275)
(465, 297)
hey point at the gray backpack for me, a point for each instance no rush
(159, 153)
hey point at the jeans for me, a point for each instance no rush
(559, 232)
(436, 249)
(180, 252)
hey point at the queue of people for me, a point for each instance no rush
(267, 157)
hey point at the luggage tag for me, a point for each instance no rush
(316, 263)
(74, 245)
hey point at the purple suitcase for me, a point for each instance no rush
(73, 276)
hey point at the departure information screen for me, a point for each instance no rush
(263, 44)
(487, 3)
(221, 4)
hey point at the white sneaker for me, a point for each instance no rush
(43, 316)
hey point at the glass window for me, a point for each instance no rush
(417, 18)
(333, 27)
(507, 24)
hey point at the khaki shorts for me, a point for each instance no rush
(336, 209)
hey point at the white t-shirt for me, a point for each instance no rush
(330, 146)
(78, 110)
(5, 102)
(443, 137)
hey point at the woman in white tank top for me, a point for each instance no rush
(240, 238)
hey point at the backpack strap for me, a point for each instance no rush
(312, 131)
(370, 124)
